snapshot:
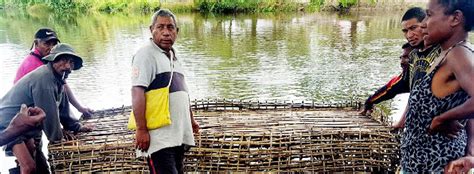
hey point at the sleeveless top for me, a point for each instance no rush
(421, 152)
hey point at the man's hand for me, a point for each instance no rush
(86, 112)
(86, 128)
(366, 112)
(67, 135)
(447, 128)
(142, 141)
(195, 125)
(27, 118)
(461, 165)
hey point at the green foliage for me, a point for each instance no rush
(211, 6)
(315, 5)
(234, 6)
(179, 7)
(318, 3)
(118, 6)
(223, 6)
(347, 3)
(109, 6)
(61, 6)
(112, 6)
(372, 2)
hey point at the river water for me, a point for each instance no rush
(298, 56)
(312, 56)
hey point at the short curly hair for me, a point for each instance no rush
(465, 6)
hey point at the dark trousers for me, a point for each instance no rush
(41, 162)
(167, 161)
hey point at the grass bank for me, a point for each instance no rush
(232, 6)
(207, 6)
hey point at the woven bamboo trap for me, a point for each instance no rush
(245, 136)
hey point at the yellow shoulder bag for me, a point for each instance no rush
(157, 110)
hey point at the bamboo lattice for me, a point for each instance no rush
(245, 136)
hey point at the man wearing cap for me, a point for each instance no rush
(45, 39)
(42, 88)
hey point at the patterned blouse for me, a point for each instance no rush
(421, 152)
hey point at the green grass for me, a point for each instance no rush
(248, 6)
(207, 6)
(108, 6)
(180, 7)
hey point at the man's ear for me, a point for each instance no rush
(457, 18)
(177, 29)
(151, 28)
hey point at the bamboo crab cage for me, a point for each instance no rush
(245, 137)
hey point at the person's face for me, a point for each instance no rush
(164, 32)
(44, 47)
(412, 31)
(404, 57)
(64, 66)
(436, 24)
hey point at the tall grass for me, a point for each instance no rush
(180, 7)
(213, 6)
(252, 6)
(108, 6)
(345, 5)
(232, 6)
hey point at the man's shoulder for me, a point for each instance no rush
(38, 74)
(413, 55)
(31, 61)
(42, 69)
(147, 48)
(145, 52)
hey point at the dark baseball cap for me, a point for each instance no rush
(46, 34)
(63, 49)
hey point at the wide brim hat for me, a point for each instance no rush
(63, 49)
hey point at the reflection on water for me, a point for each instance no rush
(322, 57)
(297, 56)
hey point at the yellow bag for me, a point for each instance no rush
(157, 110)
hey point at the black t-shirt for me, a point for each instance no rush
(420, 62)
